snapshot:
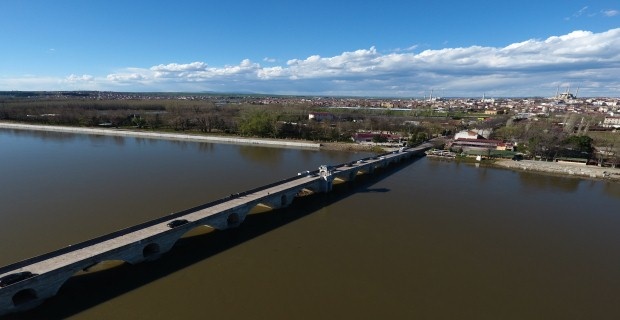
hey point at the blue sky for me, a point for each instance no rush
(360, 48)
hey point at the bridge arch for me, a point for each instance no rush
(198, 230)
(352, 175)
(308, 190)
(151, 250)
(24, 296)
(233, 220)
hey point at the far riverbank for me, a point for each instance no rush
(564, 169)
(163, 135)
(592, 172)
(298, 144)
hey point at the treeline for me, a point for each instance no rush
(267, 121)
(546, 138)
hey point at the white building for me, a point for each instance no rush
(611, 122)
(467, 134)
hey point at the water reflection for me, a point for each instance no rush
(269, 156)
(548, 182)
(410, 241)
(43, 135)
(612, 189)
(206, 147)
(118, 140)
(380, 190)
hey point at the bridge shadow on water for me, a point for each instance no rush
(82, 292)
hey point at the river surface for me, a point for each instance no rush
(429, 240)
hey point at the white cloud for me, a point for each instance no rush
(175, 67)
(530, 67)
(269, 60)
(578, 14)
(126, 77)
(610, 13)
(79, 78)
(407, 49)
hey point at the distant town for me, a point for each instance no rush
(562, 102)
(563, 127)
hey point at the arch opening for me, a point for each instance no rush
(100, 266)
(24, 296)
(197, 231)
(233, 219)
(150, 250)
(305, 192)
(260, 208)
(283, 201)
(339, 180)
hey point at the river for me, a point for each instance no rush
(431, 239)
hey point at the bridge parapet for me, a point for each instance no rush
(327, 178)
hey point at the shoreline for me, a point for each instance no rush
(541, 167)
(562, 169)
(301, 144)
(163, 135)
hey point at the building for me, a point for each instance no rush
(467, 134)
(611, 122)
(320, 116)
(369, 137)
(477, 144)
(473, 134)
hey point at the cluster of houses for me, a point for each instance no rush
(476, 142)
(379, 138)
(611, 122)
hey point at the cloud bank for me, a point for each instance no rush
(532, 67)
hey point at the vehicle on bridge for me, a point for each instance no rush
(176, 223)
(15, 277)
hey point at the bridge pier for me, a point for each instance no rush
(347, 176)
(148, 249)
(231, 218)
(280, 200)
(30, 294)
(370, 169)
(327, 178)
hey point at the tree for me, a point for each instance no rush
(579, 143)
(257, 123)
(379, 138)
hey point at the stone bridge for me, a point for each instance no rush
(26, 284)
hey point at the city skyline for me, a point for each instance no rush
(390, 49)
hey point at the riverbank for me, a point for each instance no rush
(563, 169)
(594, 172)
(163, 135)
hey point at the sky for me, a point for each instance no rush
(387, 48)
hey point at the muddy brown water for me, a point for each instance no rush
(431, 239)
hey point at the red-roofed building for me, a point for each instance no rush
(480, 144)
(368, 137)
